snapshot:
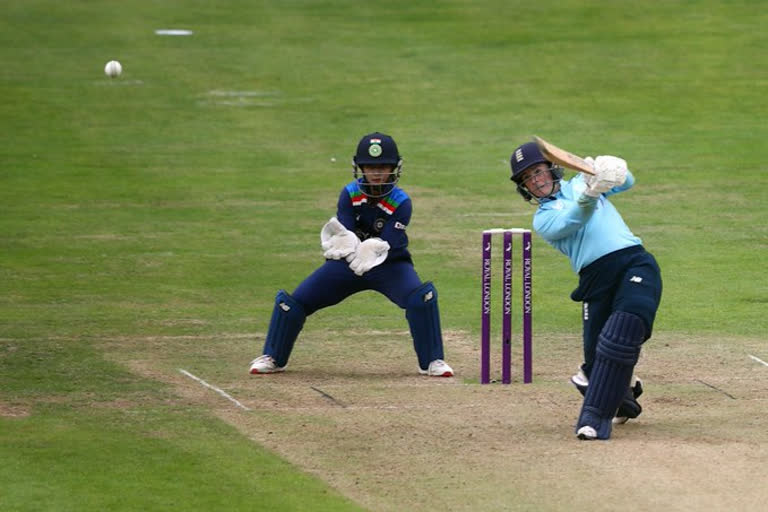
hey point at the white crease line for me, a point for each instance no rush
(219, 391)
(368, 407)
(758, 359)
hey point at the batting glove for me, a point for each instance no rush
(615, 164)
(610, 172)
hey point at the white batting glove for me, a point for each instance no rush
(614, 163)
(370, 253)
(337, 241)
(610, 172)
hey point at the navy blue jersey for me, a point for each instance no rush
(385, 218)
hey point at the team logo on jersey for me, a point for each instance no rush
(399, 225)
(378, 225)
(374, 150)
(557, 205)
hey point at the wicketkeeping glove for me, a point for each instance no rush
(370, 253)
(337, 241)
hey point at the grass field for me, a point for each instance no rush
(146, 223)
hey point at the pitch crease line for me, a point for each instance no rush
(214, 388)
(758, 360)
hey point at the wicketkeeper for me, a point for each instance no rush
(366, 248)
(619, 281)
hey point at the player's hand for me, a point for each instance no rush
(370, 253)
(610, 172)
(614, 164)
(337, 241)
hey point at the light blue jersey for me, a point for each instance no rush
(583, 230)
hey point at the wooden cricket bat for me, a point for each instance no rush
(562, 157)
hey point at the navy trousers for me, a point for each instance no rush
(627, 280)
(333, 282)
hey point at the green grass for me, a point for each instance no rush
(155, 204)
(145, 457)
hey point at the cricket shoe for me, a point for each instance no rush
(587, 433)
(629, 409)
(265, 364)
(438, 368)
(581, 382)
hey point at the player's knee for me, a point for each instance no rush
(643, 306)
(621, 338)
(288, 312)
(423, 317)
(423, 313)
(287, 303)
(425, 296)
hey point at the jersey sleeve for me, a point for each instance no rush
(628, 183)
(394, 230)
(345, 213)
(555, 224)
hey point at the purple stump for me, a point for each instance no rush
(485, 340)
(527, 309)
(506, 319)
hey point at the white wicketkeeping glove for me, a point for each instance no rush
(337, 241)
(611, 172)
(369, 253)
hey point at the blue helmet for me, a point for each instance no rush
(524, 157)
(377, 149)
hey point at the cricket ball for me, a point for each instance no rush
(113, 69)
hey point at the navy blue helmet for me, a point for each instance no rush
(526, 156)
(377, 149)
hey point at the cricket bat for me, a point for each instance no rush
(562, 157)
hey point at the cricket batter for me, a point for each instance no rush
(619, 281)
(366, 248)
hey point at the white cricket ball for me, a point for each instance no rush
(113, 69)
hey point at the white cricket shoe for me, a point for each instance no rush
(265, 364)
(580, 381)
(587, 433)
(438, 368)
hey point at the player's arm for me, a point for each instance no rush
(553, 224)
(345, 212)
(394, 230)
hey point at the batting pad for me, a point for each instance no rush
(618, 349)
(284, 327)
(423, 316)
